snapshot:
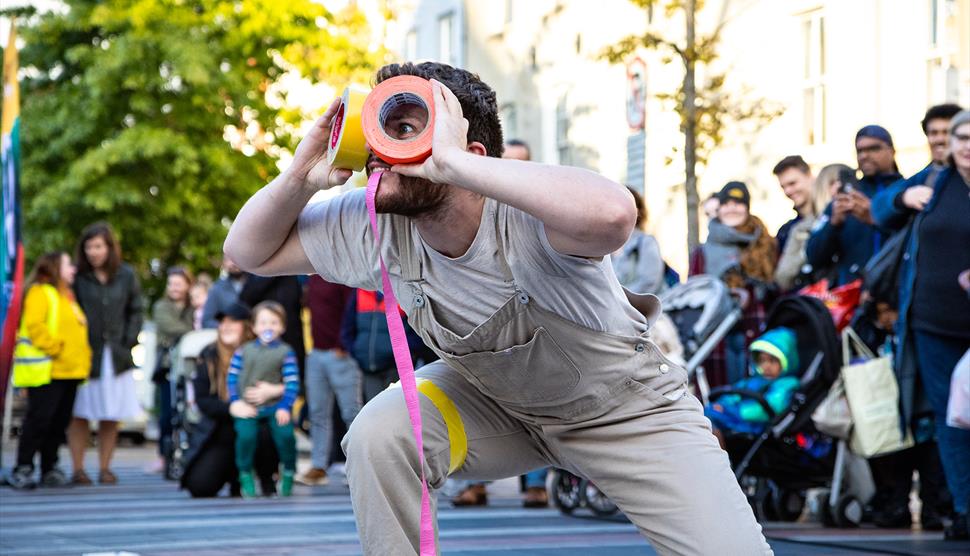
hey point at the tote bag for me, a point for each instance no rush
(873, 395)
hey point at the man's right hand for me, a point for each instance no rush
(841, 208)
(917, 197)
(309, 164)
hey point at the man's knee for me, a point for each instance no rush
(381, 431)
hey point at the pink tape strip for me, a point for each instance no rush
(405, 369)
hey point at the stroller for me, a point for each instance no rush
(703, 312)
(184, 410)
(776, 467)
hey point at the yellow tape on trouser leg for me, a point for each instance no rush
(456, 428)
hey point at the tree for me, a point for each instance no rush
(705, 111)
(163, 116)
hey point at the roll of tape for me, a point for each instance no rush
(404, 93)
(348, 147)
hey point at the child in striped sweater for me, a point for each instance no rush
(265, 359)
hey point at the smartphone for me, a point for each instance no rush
(848, 180)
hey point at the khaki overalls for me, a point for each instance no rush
(528, 389)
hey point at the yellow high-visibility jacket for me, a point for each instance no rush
(69, 348)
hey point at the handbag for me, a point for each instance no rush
(31, 366)
(881, 273)
(958, 406)
(832, 416)
(873, 396)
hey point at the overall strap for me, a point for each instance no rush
(405, 368)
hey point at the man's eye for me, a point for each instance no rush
(406, 129)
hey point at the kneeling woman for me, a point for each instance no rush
(210, 459)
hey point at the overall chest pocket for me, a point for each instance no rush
(538, 371)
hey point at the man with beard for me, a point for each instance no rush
(224, 293)
(500, 266)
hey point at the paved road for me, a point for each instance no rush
(145, 515)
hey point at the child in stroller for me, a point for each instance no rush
(773, 382)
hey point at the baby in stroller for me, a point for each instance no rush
(773, 381)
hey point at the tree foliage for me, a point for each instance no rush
(714, 107)
(154, 114)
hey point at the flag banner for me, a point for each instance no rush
(11, 244)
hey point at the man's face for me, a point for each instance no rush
(516, 152)
(938, 138)
(797, 186)
(874, 156)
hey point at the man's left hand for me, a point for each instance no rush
(449, 142)
(861, 207)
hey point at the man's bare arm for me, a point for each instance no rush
(263, 238)
(584, 213)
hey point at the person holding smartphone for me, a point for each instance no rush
(846, 229)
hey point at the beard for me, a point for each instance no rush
(412, 197)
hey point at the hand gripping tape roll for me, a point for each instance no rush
(385, 100)
(347, 146)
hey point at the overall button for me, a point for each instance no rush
(640, 348)
(664, 367)
(523, 298)
(419, 301)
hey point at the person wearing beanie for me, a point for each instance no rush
(846, 230)
(740, 251)
(775, 366)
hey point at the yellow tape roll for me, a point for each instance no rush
(347, 147)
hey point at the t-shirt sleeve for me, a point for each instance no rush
(526, 235)
(337, 239)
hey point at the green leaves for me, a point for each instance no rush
(127, 103)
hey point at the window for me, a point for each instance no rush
(445, 50)
(510, 123)
(814, 118)
(411, 46)
(934, 22)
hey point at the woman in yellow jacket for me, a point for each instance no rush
(63, 336)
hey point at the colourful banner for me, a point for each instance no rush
(11, 244)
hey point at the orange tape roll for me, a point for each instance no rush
(347, 147)
(398, 119)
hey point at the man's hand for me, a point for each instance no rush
(310, 159)
(449, 142)
(242, 410)
(841, 208)
(282, 417)
(917, 197)
(860, 207)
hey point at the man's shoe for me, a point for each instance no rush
(246, 485)
(893, 517)
(22, 478)
(55, 478)
(80, 478)
(286, 484)
(535, 497)
(472, 496)
(313, 477)
(958, 530)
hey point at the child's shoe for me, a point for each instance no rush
(246, 485)
(286, 483)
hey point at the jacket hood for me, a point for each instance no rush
(781, 343)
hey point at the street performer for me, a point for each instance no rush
(502, 268)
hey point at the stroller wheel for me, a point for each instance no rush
(848, 512)
(788, 504)
(598, 502)
(567, 491)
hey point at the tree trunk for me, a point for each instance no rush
(690, 132)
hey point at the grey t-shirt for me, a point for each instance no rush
(466, 290)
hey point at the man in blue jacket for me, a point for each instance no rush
(846, 230)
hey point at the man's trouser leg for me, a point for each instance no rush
(662, 466)
(319, 396)
(382, 463)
